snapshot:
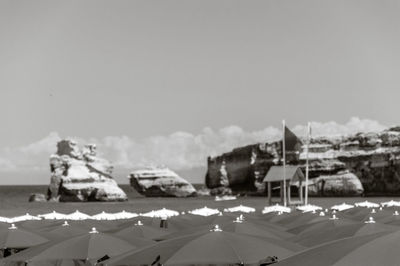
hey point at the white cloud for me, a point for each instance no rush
(45, 145)
(353, 126)
(179, 150)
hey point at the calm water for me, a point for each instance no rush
(14, 201)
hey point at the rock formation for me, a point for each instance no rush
(160, 182)
(79, 175)
(364, 163)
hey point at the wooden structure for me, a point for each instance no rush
(276, 173)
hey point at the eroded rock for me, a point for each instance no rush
(161, 182)
(79, 175)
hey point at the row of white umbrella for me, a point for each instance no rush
(205, 211)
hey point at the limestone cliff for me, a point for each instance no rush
(79, 175)
(364, 163)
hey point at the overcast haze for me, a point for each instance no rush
(170, 82)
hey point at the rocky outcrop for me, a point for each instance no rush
(160, 182)
(340, 163)
(79, 175)
(37, 197)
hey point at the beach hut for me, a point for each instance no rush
(291, 173)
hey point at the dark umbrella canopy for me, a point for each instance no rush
(322, 223)
(143, 231)
(14, 237)
(93, 245)
(328, 254)
(369, 250)
(129, 235)
(63, 231)
(225, 248)
(249, 228)
(333, 230)
(212, 248)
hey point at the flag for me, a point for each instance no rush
(292, 142)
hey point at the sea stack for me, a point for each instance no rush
(79, 175)
(160, 182)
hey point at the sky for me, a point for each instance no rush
(171, 82)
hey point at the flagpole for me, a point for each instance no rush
(307, 168)
(284, 164)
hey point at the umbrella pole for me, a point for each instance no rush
(284, 164)
(307, 167)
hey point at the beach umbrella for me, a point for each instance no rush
(299, 225)
(376, 249)
(309, 208)
(5, 219)
(219, 247)
(38, 225)
(142, 231)
(276, 208)
(246, 227)
(90, 246)
(52, 216)
(240, 208)
(130, 235)
(342, 207)
(13, 237)
(103, 216)
(162, 213)
(236, 226)
(331, 230)
(205, 211)
(125, 215)
(391, 203)
(367, 204)
(64, 230)
(77, 215)
(216, 247)
(361, 214)
(26, 217)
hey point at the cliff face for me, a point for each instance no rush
(366, 163)
(79, 175)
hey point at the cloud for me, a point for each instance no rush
(179, 150)
(45, 145)
(353, 126)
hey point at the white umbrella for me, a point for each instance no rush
(309, 208)
(240, 208)
(104, 216)
(125, 215)
(342, 207)
(162, 213)
(205, 211)
(391, 203)
(52, 216)
(5, 219)
(26, 217)
(77, 215)
(367, 204)
(276, 208)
